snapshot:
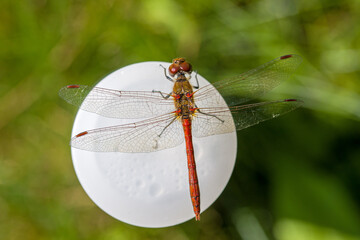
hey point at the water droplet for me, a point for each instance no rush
(155, 190)
(139, 183)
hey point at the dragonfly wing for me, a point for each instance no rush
(248, 115)
(212, 121)
(251, 84)
(150, 135)
(117, 104)
(243, 116)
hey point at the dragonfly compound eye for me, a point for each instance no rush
(173, 69)
(185, 66)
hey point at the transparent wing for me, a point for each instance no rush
(212, 121)
(220, 120)
(117, 104)
(249, 85)
(150, 135)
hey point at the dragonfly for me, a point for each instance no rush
(188, 110)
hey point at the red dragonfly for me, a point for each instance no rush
(183, 112)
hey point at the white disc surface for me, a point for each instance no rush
(150, 189)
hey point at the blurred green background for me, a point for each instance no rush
(296, 177)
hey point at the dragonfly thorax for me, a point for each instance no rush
(182, 86)
(183, 97)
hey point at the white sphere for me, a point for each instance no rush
(150, 189)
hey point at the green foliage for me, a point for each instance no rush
(297, 177)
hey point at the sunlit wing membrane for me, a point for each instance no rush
(212, 121)
(115, 103)
(252, 114)
(251, 84)
(243, 116)
(150, 135)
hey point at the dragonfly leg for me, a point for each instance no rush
(208, 114)
(167, 77)
(197, 81)
(165, 97)
(166, 127)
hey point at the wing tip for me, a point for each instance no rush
(81, 134)
(294, 102)
(286, 56)
(75, 141)
(72, 86)
(63, 90)
(294, 56)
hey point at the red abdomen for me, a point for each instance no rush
(193, 180)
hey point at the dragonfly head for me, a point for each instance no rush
(179, 65)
